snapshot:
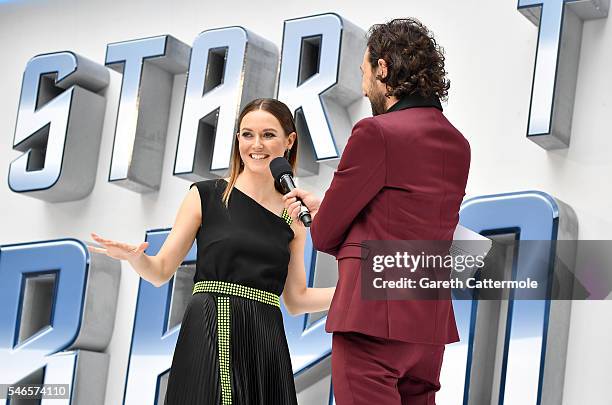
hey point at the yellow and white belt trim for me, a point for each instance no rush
(223, 323)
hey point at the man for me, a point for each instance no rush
(402, 176)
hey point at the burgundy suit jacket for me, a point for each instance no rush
(402, 176)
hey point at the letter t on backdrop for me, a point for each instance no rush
(556, 65)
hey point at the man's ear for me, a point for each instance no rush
(382, 68)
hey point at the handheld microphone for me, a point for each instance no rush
(282, 173)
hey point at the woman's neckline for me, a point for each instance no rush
(255, 202)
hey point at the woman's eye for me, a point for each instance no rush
(269, 135)
(246, 134)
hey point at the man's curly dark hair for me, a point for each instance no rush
(415, 62)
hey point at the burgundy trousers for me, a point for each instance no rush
(367, 370)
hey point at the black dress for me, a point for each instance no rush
(231, 347)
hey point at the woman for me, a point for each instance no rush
(232, 346)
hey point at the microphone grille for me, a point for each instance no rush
(279, 167)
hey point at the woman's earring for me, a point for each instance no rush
(287, 154)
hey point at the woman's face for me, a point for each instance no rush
(261, 139)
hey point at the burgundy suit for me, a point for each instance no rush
(402, 176)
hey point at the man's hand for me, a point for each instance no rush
(292, 205)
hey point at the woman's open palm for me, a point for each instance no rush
(117, 250)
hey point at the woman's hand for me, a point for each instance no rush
(160, 267)
(117, 250)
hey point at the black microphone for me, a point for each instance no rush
(282, 173)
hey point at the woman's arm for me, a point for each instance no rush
(298, 298)
(160, 268)
(180, 239)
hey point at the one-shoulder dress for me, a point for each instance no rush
(231, 347)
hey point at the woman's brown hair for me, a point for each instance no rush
(282, 113)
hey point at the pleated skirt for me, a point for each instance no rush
(260, 371)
